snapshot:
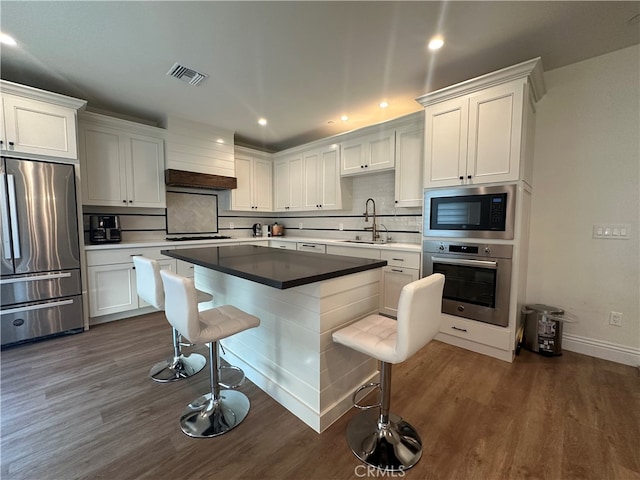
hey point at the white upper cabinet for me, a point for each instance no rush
(288, 183)
(368, 152)
(323, 189)
(481, 131)
(35, 123)
(409, 165)
(254, 192)
(122, 162)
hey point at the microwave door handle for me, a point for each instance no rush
(13, 207)
(4, 210)
(466, 263)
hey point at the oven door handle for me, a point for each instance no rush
(466, 263)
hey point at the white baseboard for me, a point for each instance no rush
(600, 349)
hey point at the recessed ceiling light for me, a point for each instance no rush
(344, 118)
(7, 40)
(262, 121)
(384, 104)
(436, 43)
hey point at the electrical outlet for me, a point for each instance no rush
(300, 226)
(341, 226)
(231, 226)
(615, 318)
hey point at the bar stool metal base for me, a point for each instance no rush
(177, 368)
(206, 417)
(394, 447)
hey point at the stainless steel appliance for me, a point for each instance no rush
(470, 212)
(477, 278)
(257, 229)
(104, 229)
(40, 255)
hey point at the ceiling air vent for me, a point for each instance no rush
(186, 74)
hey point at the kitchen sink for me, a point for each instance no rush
(369, 242)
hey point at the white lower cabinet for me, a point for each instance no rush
(402, 268)
(112, 279)
(312, 247)
(282, 245)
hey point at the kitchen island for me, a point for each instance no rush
(300, 298)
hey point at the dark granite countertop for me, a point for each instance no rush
(274, 267)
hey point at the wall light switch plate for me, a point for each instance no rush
(616, 231)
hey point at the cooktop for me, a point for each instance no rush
(184, 239)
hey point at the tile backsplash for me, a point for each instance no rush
(403, 224)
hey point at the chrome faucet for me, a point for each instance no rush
(374, 227)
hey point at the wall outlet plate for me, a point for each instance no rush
(615, 318)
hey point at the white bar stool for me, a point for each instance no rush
(219, 411)
(149, 285)
(379, 438)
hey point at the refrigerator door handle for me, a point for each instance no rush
(15, 233)
(39, 306)
(4, 210)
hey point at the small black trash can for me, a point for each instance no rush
(543, 329)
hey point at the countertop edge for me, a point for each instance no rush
(409, 247)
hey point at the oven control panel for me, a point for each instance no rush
(472, 249)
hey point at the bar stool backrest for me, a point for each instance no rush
(419, 311)
(181, 304)
(148, 281)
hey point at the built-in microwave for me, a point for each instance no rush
(470, 212)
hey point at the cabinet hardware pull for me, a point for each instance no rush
(460, 329)
(124, 201)
(461, 177)
(397, 270)
(11, 144)
(136, 255)
(398, 259)
(469, 176)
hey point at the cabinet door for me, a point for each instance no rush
(311, 161)
(296, 184)
(352, 155)
(381, 150)
(393, 280)
(241, 196)
(262, 185)
(495, 133)
(112, 289)
(282, 185)
(103, 166)
(39, 128)
(145, 179)
(329, 178)
(168, 264)
(409, 166)
(445, 143)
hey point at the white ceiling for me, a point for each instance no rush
(301, 65)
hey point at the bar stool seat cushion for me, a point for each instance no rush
(374, 335)
(223, 322)
(394, 341)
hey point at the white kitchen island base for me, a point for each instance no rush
(291, 355)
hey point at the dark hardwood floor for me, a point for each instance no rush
(83, 407)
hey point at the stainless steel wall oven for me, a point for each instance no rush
(477, 278)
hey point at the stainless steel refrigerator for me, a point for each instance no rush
(40, 288)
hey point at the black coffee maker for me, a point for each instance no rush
(104, 229)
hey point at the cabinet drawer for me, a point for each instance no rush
(398, 258)
(123, 255)
(283, 245)
(312, 247)
(354, 252)
(479, 332)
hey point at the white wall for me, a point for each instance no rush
(586, 172)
